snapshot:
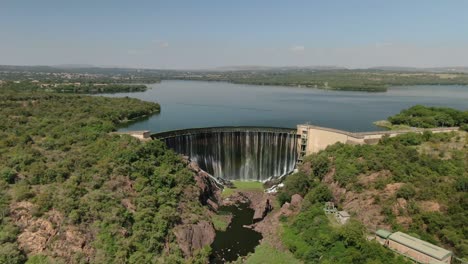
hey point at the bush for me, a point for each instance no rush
(464, 127)
(10, 254)
(8, 175)
(406, 191)
(320, 165)
(297, 183)
(319, 194)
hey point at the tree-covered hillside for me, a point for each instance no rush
(417, 183)
(72, 193)
(428, 117)
(73, 88)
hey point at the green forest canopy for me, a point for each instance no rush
(429, 117)
(117, 194)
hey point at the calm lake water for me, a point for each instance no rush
(189, 104)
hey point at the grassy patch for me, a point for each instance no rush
(243, 186)
(248, 185)
(221, 220)
(390, 126)
(267, 254)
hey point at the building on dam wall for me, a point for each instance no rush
(312, 139)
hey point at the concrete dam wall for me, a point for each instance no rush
(237, 153)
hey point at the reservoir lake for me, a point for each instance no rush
(190, 104)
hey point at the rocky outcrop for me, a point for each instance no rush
(293, 207)
(296, 201)
(192, 237)
(209, 193)
(262, 209)
(260, 202)
(48, 235)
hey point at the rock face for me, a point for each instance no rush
(193, 237)
(262, 209)
(292, 208)
(296, 201)
(48, 234)
(209, 192)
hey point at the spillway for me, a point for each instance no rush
(239, 155)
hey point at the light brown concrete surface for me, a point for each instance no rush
(319, 138)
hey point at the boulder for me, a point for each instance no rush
(286, 209)
(296, 201)
(192, 237)
(262, 209)
(213, 205)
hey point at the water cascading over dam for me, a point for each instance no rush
(238, 154)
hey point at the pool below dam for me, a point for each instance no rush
(237, 240)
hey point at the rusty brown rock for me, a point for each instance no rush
(193, 237)
(212, 204)
(262, 208)
(296, 201)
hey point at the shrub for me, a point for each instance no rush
(8, 175)
(406, 191)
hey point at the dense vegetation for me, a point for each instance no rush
(428, 117)
(426, 169)
(350, 80)
(72, 193)
(313, 239)
(86, 88)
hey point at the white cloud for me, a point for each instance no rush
(297, 48)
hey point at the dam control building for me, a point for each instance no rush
(414, 248)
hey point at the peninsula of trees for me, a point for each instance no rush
(429, 117)
(76, 87)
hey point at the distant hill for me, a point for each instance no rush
(80, 68)
(414, 69)
(275, 68)
(73, 66)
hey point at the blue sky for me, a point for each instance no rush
(206, 34)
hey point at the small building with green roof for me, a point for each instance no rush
(382, 236)
(413, 248)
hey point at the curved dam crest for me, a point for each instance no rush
(237, 153)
